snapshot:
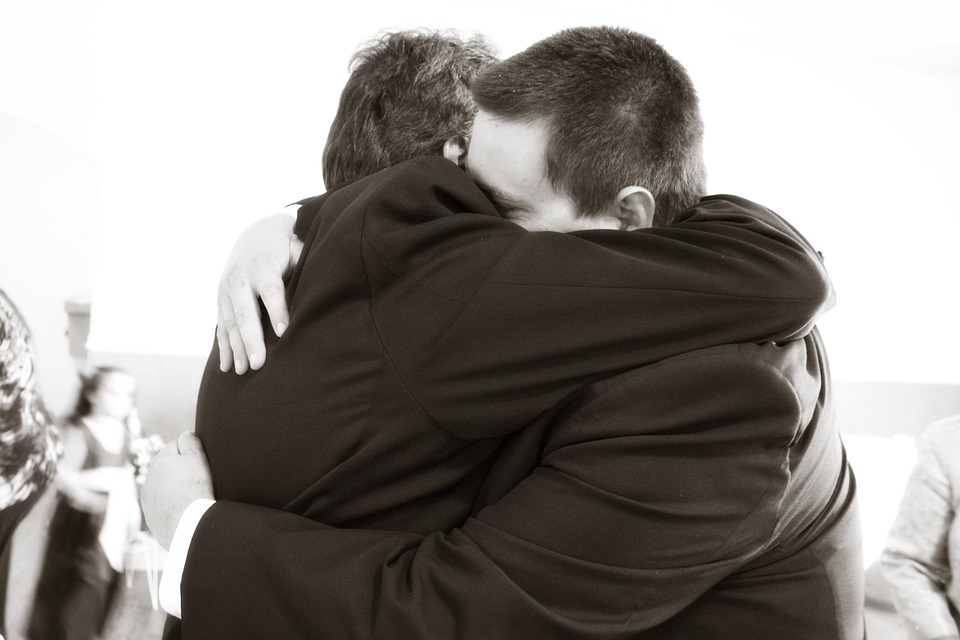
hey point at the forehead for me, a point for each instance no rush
(507, 158)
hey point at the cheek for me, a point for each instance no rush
(541, 218)
(529, 225)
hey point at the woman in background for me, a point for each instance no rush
(922, 559)
(96, 511)
(28, 446)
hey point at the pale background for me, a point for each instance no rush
(138, 139)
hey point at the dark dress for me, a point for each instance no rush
(77, 585)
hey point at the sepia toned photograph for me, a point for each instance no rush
(479, 321)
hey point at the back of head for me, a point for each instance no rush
(408, 93)
(621, 111)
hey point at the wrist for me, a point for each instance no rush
(176, 558)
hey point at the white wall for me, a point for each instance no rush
(155, 133)
(48, 206)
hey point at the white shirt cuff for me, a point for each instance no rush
(177, 556)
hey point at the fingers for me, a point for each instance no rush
(188, 443)
(274, 300)
(178, 476)
(168, 450)
(225, 323)
(270, 286)
(231, 347)
(247, 344)
(296, 248)
(239, 334)
(223, 344)
(265, 252)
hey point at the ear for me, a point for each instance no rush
(634, 206)
(455, 150)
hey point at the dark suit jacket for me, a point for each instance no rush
(704, 496)
(421, 334)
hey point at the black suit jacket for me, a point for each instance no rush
(420, 334)
(704, 496)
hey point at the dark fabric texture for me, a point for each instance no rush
(423, 339)
(76, 589)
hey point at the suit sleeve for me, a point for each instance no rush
(593, 544)
(489, 324)
(915, 560)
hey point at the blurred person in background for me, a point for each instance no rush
(28, 442)
(923, 547)
(97, 509)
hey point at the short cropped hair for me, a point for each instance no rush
(620, 110)
(407, 94)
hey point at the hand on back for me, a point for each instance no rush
(262, 257)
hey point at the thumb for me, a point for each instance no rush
(187, 442)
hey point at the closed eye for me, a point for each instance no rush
(503, 203)
(503, 209)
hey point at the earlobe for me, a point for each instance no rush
(455, 150)
(635, 207)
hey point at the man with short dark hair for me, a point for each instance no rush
(671, 485)
(619, 110)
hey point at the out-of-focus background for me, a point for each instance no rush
(137, 140)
